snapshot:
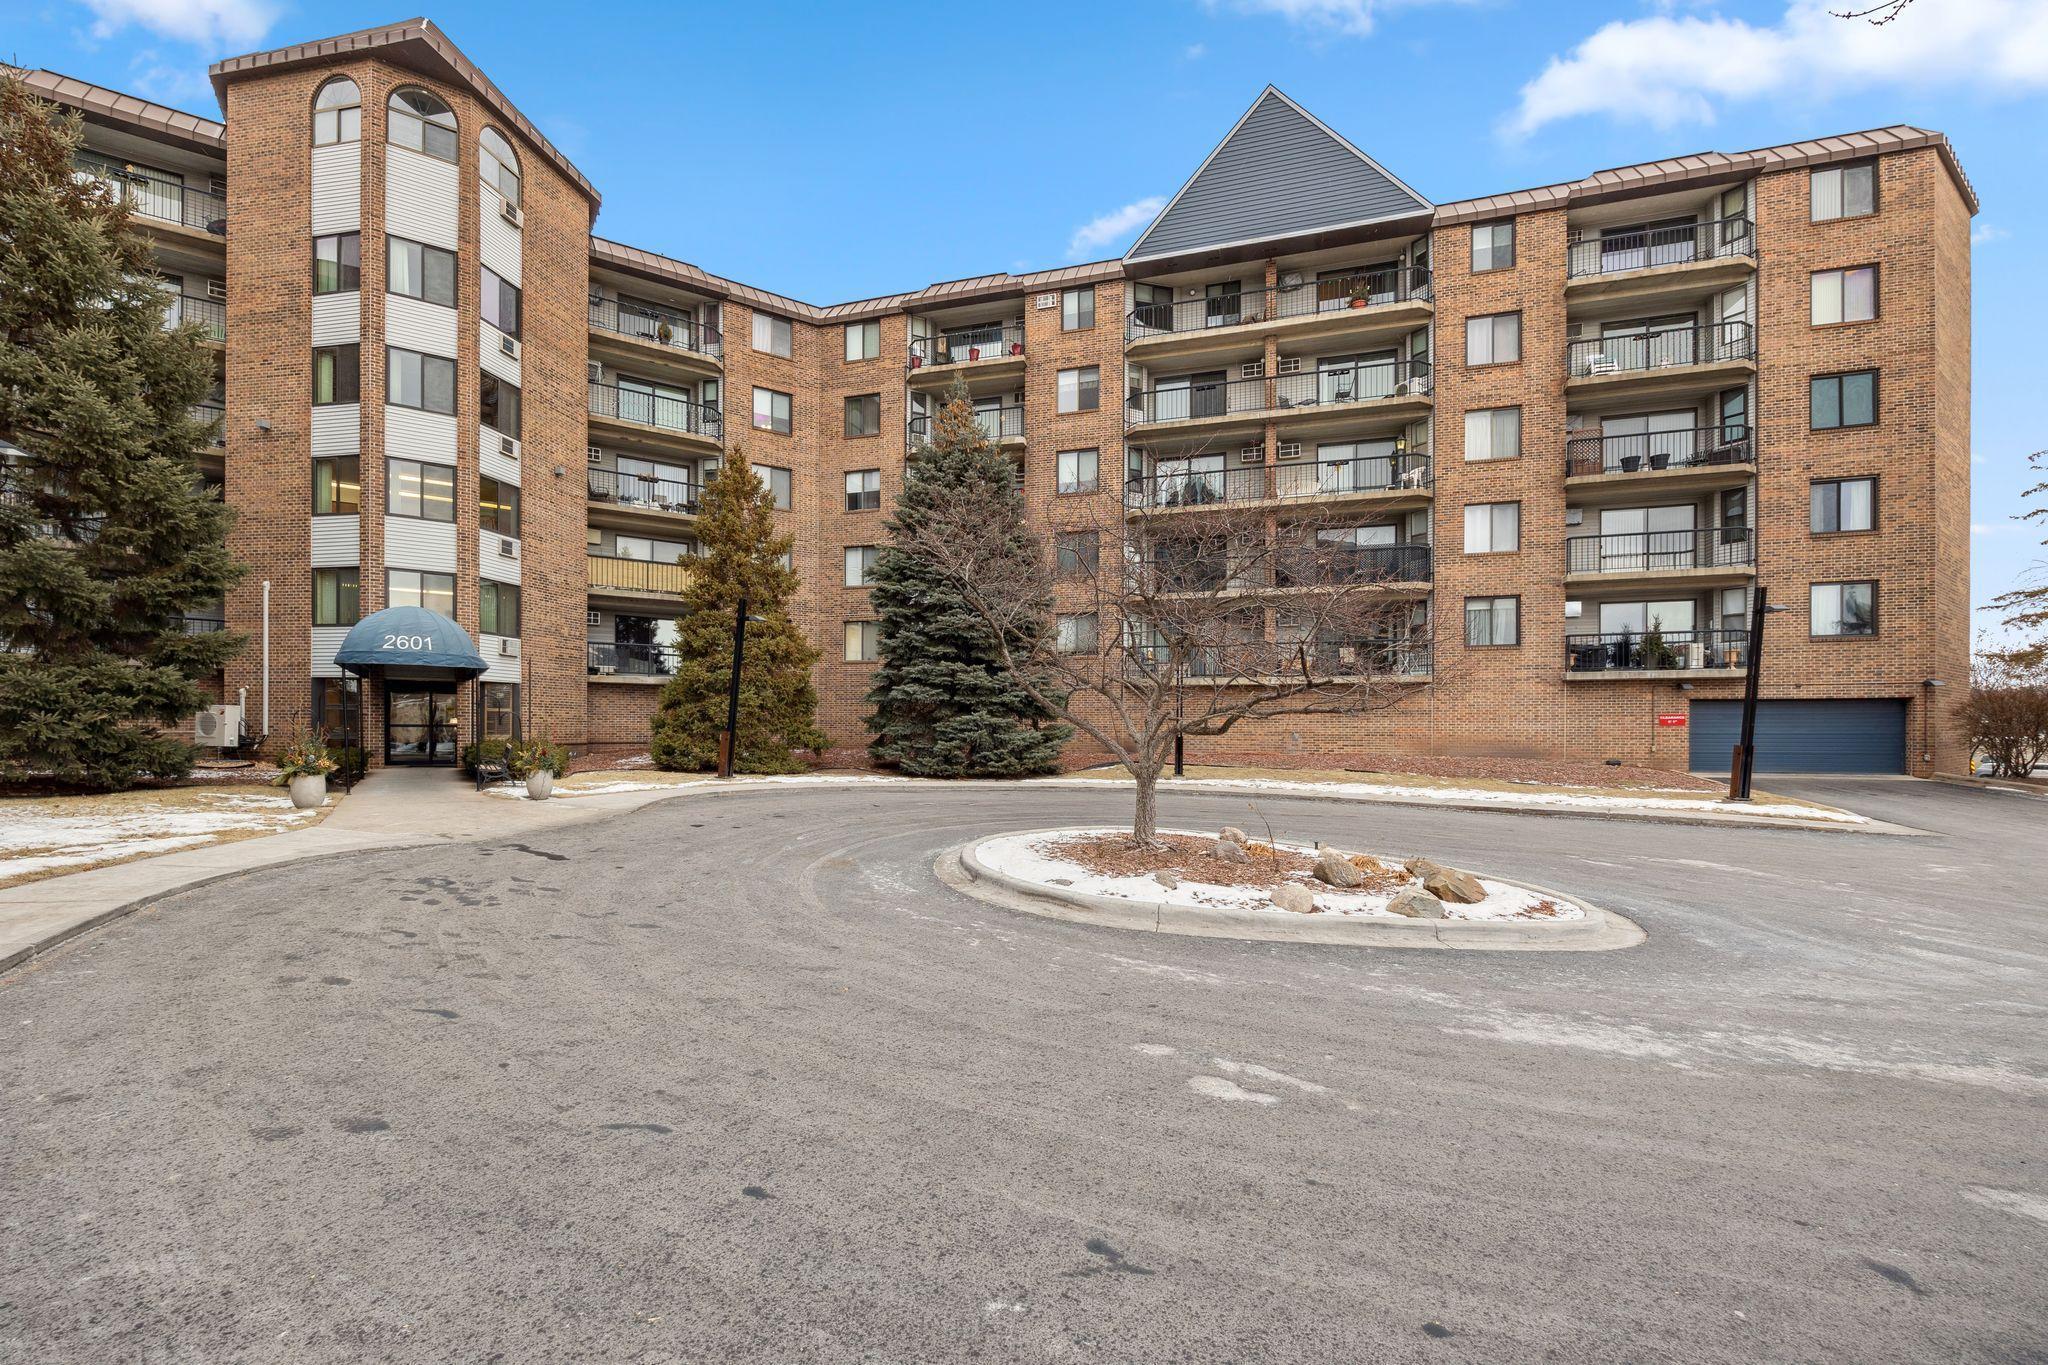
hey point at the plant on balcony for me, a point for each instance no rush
(1653, 652)
(107, 541)
(945, 703)
(742, 559)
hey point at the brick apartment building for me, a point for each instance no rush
(1576, 416)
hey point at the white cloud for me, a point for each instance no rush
(215, 23)
(1350, 17)
(1987, 232)
(1194, 52)
(1670, 69)
(1112, 228)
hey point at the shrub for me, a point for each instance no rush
(537, 756)
(490, 753)
(2005, 718)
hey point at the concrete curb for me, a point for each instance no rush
(1600, 931)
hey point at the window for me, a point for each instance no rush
(1076, 552)
(863, 340)
(1079, 471)
(416, 489)
(501, 710)
(1493, 527)
(420, 272)
(500, 164)
(497, 608)
(861, 638)
(864, 415)
(412, 380)
(1493, 434)
(337, 373)
(334, 711)
(1493, 246)
(420, 121)
(411, 588)
(777, 481)
(1495, 339)
(1844, 609)
(500, 303)
(338, 263)
(771, 411)
(337, 597)
(1844, 505)
(1493, 621)
(1844, 400)
(1077, 308)
(863, 490)
(498, 404)
(497, 507)
(1844, 295)
(1845, 191)
(860, 562)
(337, 113)
(771, 334)
(1080, 390)
(338, 486)
(1076, 634)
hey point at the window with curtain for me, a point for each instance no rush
(860, 562)
(1845, 191)
(1495, 339)
(337, 486)
(338, 263)
(1844, 608)
(412, 380)
(1491, 621)
(1844, 295)
(420, 121)
(1079, 471)
(1843, 505)
(771, 334)
(337, 374)
(497, 506)
(1493, 527)
(1493, 434)
(497, 608)
(337, 596)
(420, 272)
(1493, 246)
(498, 404)
(863, 340)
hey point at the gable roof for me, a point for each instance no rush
(1279, 172)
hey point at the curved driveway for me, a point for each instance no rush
(737, 1078)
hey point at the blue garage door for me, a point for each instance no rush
(1804, 736)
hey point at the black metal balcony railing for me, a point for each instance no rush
(165, 201)
(1660, 349)
(1340, 566)
(656, 410)
(664, 329)
(204, 625)
(997, 424)
(1250, 661)
(1403, 470)
(1355, 383)
(963, 344)
(1677, 244)
(1713, 547)
(1685, 449)
(1685, 650)
(215, 413)
(209, 315)
(642, 490)
(609, 659)
(1365, 289)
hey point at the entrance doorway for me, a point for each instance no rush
(422, 723)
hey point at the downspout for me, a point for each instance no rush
(266, 661)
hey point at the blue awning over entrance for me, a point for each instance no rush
(410, 638)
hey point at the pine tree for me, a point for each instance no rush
(944, 705)
(743, 557)
(107, 538)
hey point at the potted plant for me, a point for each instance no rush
(664, 333)
(1360, 292)
(539, 763)
(303, 768)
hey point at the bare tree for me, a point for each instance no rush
(1183, 611)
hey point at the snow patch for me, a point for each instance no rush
(2009, 1201)
(1217, 1088)
(1268, 1075)
(48, 835)
(1153, 1049)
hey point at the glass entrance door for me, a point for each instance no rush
(421, 725)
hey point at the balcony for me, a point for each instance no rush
(158, 199)
(210, 316)
(1402, 475)
(654, 663)
(1712, 552)
(994, 345)
(642, 492)
(1256, 663)
(658, 412)
(1220, 401)
(1634, 259)
(1385, 296)
(1676, 352)
(1656, 653)
(1339, 566)
(649, 326)
(204, 625)
(997, 424)
(214, 414)
(613, 576)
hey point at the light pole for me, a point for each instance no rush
(728, 740)
(1743, 765)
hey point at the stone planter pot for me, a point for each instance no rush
(309, 791)
(541, 785)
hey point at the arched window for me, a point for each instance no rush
(500, 164)
(420, 121)
(337, 113)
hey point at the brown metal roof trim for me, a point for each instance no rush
(414, 43)
(114, 109)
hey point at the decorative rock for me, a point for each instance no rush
(1166, 879)
(1336, 869)
(1295, 897)
(1420, 867)
(1226, 851)
(1449, 884)
(1234, 835)
(1415, 903)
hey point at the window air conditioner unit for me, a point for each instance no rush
(218, 727)
(589, 618)
(509, 646)
(217, 289)
(508, 547)
(593, 454)
(596, 372)
(1252, 369)
(509, 211)
(509, 347)
(507, 446)
(1290, 364)
(1045, 301)
(1290, 450)
(1574, 516)
(1251, 454)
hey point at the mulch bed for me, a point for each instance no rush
(1553, 772)
(1193, 858)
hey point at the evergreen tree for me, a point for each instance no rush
(743, 558)
(107, 538)
(944, 704)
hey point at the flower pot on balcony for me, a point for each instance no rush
(309, 791)
(974, 352)
(1631, 463)
(1358, 303)
(916, 360)
(1660, 461)
(1016, 348)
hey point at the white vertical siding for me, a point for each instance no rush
(337, 319)
(424, 327)
(415, 435)
(410, 543)
(337, 542)
(491, 354)
(337, 188)
(420, 197)
(326, 641)
(491, 560)
(499, 239)
(500, 666)
(338, 429)
(489, 460)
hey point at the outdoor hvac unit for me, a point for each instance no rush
(509, 211)
(218, 726)
(509, 346)
(509, 646)
(508, 547)
(507, 446)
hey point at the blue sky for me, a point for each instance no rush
(838, 152)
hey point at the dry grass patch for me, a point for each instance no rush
(49, 836)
